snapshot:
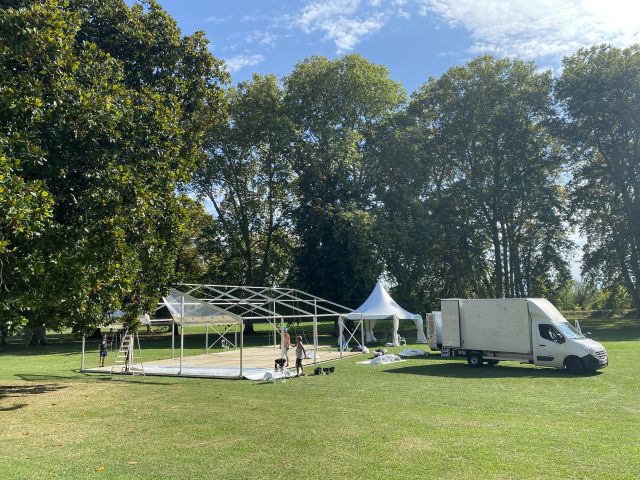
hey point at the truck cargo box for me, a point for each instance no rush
(501, 325)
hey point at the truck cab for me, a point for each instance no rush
(556, 343)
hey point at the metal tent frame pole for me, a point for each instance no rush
(362, 329)
(181, 332)
(340, 335)
(275, 327)
(206, 339)
(173, 339)
(241, 347)
(315, 332)
(82, 360)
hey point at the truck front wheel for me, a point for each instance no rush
(574, 365)
(474, 359)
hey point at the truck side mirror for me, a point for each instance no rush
(588, 334)
(560, 339)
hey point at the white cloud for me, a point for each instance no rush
(341, 21)
(239, 62)
(214, 19)
(540, 29)
(263, 38)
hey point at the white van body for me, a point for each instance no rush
(523, 329)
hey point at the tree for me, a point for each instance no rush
(334, 106)
(247, 179)
(110, 145)
(199, 252)
(598, 92)
(488, 126)
(425, 231)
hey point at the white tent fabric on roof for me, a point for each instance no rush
(379, 306)
(186, 309)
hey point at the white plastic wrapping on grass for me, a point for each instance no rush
(413, 352)
(383, 359)
(275, 375)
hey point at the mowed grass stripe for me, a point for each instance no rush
(423, 418)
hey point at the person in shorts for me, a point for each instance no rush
(286, 345)
(300, 354)
(104, 347)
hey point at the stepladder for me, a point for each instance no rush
(128, 359)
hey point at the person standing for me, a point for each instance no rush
(286, 345)
(301, 353)
(104, 347)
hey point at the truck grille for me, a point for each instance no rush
(602, 355)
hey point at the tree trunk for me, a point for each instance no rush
(626, 277)
(498, 261)
(248, 327)
(39, 336)
(508, 287)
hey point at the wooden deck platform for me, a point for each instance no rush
(225, 364)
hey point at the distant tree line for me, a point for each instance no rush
(127, 164)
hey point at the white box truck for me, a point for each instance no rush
(528, 330)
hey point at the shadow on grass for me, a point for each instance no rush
(16, 406)
(21, 391)
(461, 370)
(118, 378)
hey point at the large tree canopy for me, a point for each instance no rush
(472, 203)
(106, 109)
(599, 92)
(247, 180)
(335, 106)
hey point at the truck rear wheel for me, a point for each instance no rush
(474, 359)
(574, 365)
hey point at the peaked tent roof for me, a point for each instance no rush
(380, 305)
(196, 311)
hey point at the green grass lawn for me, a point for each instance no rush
(424, 418)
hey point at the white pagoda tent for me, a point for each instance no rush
(381, 306)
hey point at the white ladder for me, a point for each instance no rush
(124, 359)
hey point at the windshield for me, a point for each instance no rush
(568, 331)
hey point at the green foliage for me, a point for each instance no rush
(476, 185)
(94, 124)
(247, 179)
(599, 91)
(335, 106)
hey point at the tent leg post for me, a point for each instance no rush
(315, 331)
(181, 333)
(241, 347)
(173, 340)
(206, 339)
(340, 335)
(362, 331)
(82, 360)
(181, 347)
(315, 340)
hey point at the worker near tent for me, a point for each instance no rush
(286, 345)
(104, 347)
(300, 354)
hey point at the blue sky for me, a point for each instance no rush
(414, 39)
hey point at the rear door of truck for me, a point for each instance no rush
(450, 323)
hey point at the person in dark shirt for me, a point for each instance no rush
(301, 353)
(104, 347)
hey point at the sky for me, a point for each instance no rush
(414, 39)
